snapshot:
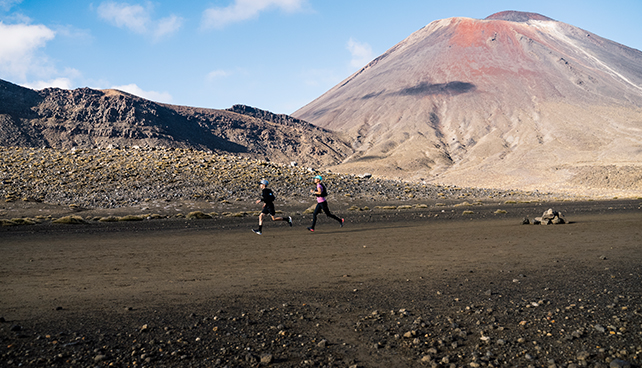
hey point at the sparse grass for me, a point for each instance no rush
(463, 204)
(500, 212)
(386, 207)
(132, 218)
(24, 221)
(73, 219)
(468, 213)
(7, 222)
(198, 215)
(238, 214)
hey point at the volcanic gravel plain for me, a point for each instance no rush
(145, 258)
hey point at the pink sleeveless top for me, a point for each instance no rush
(320, 189)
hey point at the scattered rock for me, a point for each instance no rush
(618, 363)
(267, 359)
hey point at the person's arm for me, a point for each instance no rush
(262, 199)
(316, 192)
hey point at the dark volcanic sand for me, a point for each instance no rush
(390, 289)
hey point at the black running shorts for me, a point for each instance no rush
(268, 209)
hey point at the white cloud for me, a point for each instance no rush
(217, 74)
(134, 17)
(150, 95)
(241, 10)
(22, 61)
(64, 83)
(361, 53)
(167, 26)
(8, 4)
(138, 19)
(19, 44)
(73, 33)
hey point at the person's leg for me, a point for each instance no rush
(288, 219)
(271, 210)
(259, 231)
(326, 209)
(317, 210)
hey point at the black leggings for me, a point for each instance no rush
(323, 206)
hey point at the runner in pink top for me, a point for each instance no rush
(322, 203)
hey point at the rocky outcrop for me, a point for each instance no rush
(87, 118)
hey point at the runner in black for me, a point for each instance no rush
(267, 197)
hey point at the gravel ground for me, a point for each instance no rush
(450, 289)
(411, 324)
(532, 298)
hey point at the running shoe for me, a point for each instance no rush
(342, 221)
(311, 229)
(257, 232)
(290, 220)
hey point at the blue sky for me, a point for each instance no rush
(276, 55)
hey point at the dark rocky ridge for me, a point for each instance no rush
(87, 118)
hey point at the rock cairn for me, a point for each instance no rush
(549, 217)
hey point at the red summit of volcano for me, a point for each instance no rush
(516, 100)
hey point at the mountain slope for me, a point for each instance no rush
(93, 118)
(515, 100)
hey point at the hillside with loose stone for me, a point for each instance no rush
(153, 179)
